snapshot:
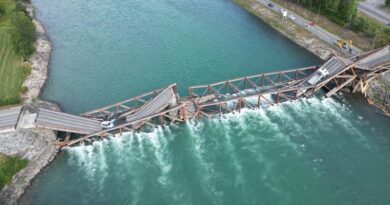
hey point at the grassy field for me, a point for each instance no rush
(12, 69)
(8, 167)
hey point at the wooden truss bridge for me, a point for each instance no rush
(164, 106)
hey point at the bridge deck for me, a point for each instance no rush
(334, 66)
(375, 59)
(9, 119)
(125, 126)
(155, 105)
(66, 122)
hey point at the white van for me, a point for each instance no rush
(319, 75)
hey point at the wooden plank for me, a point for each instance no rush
(252, 83)
(334, 90)
(256, 76)
(288, 89)
(234, 87)
(124, 125)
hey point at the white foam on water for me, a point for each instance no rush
(132, 148)
(140, 143)
(195, 128)
(226, 122)
(339, 113)
(118, 150)
(101, 164)
(208, 173)
(130, 157)
(159, 142)
(86, 161)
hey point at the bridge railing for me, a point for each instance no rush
(204, 93)
(123, 106)
(134, 125)
(256, 100)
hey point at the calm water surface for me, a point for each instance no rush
(105, 51)
(316, 151)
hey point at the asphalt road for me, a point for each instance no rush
(9, 118)
(158, 103)
(317, 31)
(66, 122)
(374, 12)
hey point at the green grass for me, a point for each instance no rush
(13, 71)
(9, 166)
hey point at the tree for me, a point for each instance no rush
(22, 34)
(2, 10)
(387, 2)
(346, 10)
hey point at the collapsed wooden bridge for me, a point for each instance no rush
(164, 106)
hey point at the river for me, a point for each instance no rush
(313, 151)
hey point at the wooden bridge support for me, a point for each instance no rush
(363, 82)
(204, 93)
(123, 106)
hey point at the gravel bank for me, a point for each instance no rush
(379, 93)
(289, 29)
(39, 60)
(35, 145)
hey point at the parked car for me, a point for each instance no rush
(282, 11)
(292, 17)
(271, 5)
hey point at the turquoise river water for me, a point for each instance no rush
(313, 151)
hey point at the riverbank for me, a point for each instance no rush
(379, 94)
(289, 29)
(312, 43)
(39, 61)
(35, 145)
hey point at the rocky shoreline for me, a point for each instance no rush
(39, 61)
(290, 30)
(35, 145)
(379, 94)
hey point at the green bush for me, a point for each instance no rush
(365, 25)
(23, 90)
(26, 71)
(9, 166)
(2, 10)
(9, 100)
(383, 38)
(371, 28)
(22, 34)
(387, 2)
(340, 11)
(19, 7)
